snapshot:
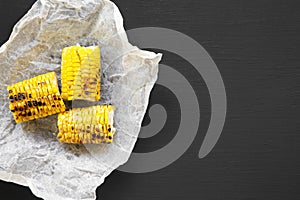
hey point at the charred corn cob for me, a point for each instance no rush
(35, 98)
(80, 73)
(90, 125)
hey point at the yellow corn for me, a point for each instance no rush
(80, 73)
(90, 125)
(35, 98)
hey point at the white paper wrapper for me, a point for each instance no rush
(30, 153)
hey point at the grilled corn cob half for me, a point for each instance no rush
(90, 125)
(80, 73)
(35, 98)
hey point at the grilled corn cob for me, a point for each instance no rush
(90, 125)
(35, 98)
(80, 73)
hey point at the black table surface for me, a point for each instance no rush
(255, 45)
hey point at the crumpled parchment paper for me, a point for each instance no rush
(30, 153)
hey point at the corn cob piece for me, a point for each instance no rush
(90, 125)
(35, 98)
(80, 73)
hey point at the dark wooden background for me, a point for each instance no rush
(255, 44)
